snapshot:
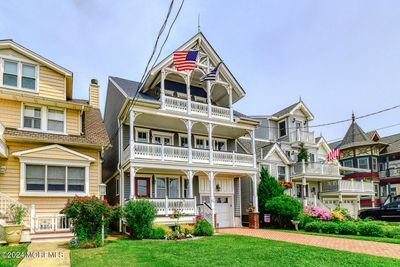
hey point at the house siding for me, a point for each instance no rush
(51, 84)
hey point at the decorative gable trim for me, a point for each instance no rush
(44, 148)
(276, 149)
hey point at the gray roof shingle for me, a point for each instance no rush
(130, 88)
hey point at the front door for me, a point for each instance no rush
(223, 211)
(142, 186)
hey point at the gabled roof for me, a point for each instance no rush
(393, 142)
(264, 148)
(291, 109)
(274, 148)
(129, 88)
(11, 44)
(200, 39)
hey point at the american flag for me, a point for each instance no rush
(334, 153)
(212, 76)
(185, 60)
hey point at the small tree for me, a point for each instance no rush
(283, 209)
(88, 214)
(140, 214)
(303, 154)
(268, 188)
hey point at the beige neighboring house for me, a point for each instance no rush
(50, 143)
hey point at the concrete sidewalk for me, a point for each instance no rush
(360, 246)
(47, 254)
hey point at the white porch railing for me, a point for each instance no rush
(302, 136)
(176, 104)
(166, 206)
(391, 172)
(205, 211)
(3, 146)
(346, 186)
(314, 168)
(50, 222)
(175, 153)
(181, 105)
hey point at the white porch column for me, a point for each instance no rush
(162, 89)
(189, 125)
(210, 142)
(230, 102)
(340, 200)
(132, 194)
(131, 134)
(212, 200)
(253, 148)
(373, 201)
(359, 202)
(121, 187)
(190, 178)
(209, 99)
(255, 196)
(304, 193)
(189, 98)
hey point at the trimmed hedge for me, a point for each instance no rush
(203, 228)
(370, 229)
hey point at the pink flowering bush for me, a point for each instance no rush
(318, 213)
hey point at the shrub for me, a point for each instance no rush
(370, 229)
(17, 213)
(87, 215)
(203, 228)
(313, 227)
(318, 213)
(268, 188)
(187, 229)
(140, 214)
(283, 209)
(159, 231)
(392, 232)
(329, 227)
(344, 212)
(348, 228)
(304, 219)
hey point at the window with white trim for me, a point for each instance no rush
(173, 188)
(49, 178)
(183, 140)
(164, 185)
(220, 144)
(282, 128)
(161, 187)
(281, 172)
(19, 75)
(142, 135)
(163, 138)
(32, 117)
(201, 142)
(55, 120)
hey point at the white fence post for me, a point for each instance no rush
(33, 215)
(166, 205)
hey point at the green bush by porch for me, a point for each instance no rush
(140, 215)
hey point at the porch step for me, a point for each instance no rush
(50, 236)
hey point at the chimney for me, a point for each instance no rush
(94, 94)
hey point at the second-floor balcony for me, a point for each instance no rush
(315, 169)
(347, 186)
(196, 108)
(163, 153)
(390, 173)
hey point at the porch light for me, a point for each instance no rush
(218, 187)
(102, 189)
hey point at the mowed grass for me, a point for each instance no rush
(220, 250)
(10, 256)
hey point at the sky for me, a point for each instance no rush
(338, 56)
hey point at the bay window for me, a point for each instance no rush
(19, 75)
(49, 178)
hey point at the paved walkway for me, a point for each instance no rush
(47, 254)
(359, 246)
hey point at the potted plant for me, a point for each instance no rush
(13, 231)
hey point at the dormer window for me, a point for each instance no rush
(19, 75)
(282, 128)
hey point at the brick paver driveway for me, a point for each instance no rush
(359, 246)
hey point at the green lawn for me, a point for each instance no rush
(220, 250)
(6, 252)
(368, 238)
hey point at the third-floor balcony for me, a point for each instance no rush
(302, 137)
(196, 108)
(347, 186)
(164, 153)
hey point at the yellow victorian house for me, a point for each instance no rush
(50, 143)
